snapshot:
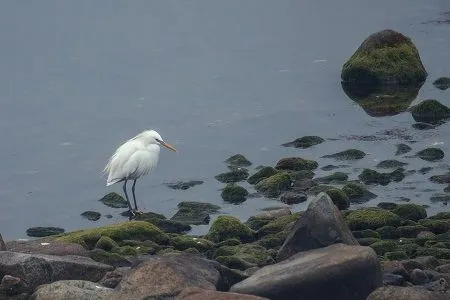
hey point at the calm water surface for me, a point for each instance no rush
(77, 78)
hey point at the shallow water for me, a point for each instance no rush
(213, 77)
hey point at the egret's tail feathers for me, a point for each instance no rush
(113, 181)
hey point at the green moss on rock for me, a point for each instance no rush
(256, 222)
(273, 186)
(278, 225)
(430, 111)
(296, 164)
(371, 218)
(106, 243)
(385, 57)
(390, 164)
(443, 215)
(263, 173)
(366, 233)
(387, 205)
(234, 194)
(439, 253)
(339, 198)
(410, 231)
(436, 226)
(388, 232)
(382, 247)
(114, 200)
(396, 255)
(357, 193)
(109, 258)
(242, 256)
(336, 177)
(238, 160)
(132, 230)
(91, 215)
(183, 242)
(349, 154)
(402, 149)
(235, 175)
(410, 211)
(441, 179)
(305, 142)
(442, 83)
(228, 227)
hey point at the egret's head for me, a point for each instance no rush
(153, 137)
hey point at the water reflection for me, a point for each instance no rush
(380, 101)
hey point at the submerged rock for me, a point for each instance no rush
(357, 193)
(296, 164)
(305, 142)
(91, 215)
(238, 160)
(194, 213)
(336, 177)
(380, 101)
(114, 200)
(423, 126)
(321, 225)
(390, 164)
(184, 185)
(234, 194)
(442, 83)
(431, 154)
(235, 175)
(261, 174)
(385, 57)
(273, 186)
(430, 111)
(352, 272)
(44, 231)
(350, 154)
(402, 149)
(442, 179)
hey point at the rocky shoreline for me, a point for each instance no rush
(332, 250)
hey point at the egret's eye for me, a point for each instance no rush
(158, 140)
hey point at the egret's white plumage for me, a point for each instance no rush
(135, 158)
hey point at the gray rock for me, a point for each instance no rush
(12, 286)
(168, 275)
(418, 277)
(113, 278)
(194, 293)
(335, 272)
(443, 268)
(293, 197)
(393, 279)
(406, 293)
(426, 262)
(71, 290)
(37, 269)
(46, 246)
(321, 225)
(439, 285)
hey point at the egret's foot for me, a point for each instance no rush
(137, 212)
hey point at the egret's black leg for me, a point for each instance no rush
(134, 196)
(126, 196)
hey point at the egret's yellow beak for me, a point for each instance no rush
(168, 146)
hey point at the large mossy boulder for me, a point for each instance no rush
(430, 111)
(131, 230)
(261, 174)
(296, 164)
(235, 175)
(431, 154)
(228, 227)
(273, 186)
(234, 193)
(114, 200)
(410, 211)
(357, 193)
(238, 160)
(339, 198)
(371, 218)
(385, 57)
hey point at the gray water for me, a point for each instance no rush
(215, 78)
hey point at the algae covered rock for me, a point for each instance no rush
(278, 225)
(296, 164)
(369, 176)
(339, 198)
(336, 177)
(442, 83)
(228, 227)
(273, 186)
(430, 111)
(371, 218)
(293, 197)
(91, 215)
(183, 242)
(194, 213)
(132, 230)
(114, 200)
(183, 185)
(238, 160)
(390, 164)
(382, 247)
(357, 193)
(431, 154)
(402, 149)
(350, 154)
(261, 174)
(410, 211)
(385, 57)
(244, 256)
(106, 243)
(444, 178)
(305, 142)
(44, 231)
(234, 194)
(235, 175)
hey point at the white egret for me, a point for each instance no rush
(135, 158)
